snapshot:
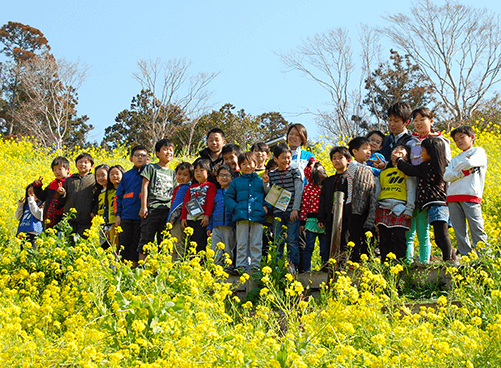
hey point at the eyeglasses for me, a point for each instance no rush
(225, 176)
(140, 155)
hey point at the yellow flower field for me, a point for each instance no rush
(77, 306)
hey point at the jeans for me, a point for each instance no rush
(310, 247)
(291, 238)
(460, 212)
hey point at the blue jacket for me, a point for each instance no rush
(129, 194)
(221, 216)
(245, 198)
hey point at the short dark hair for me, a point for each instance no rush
(407, 151)
(85, 155)
(60, 161)
(260, 147)
(426, 112)
(183, 166)
(203, 163)
(247, 156)
(225, 167)
(465, 129)
(402, 110)
(302, 132)
(164, 142)
(231, 148)
(375, 132)
(215, 130)
(139, 147)
(342, 150)
(271, 164)
(356, 143)
(281, 148)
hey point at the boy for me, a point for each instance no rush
(340, 158)
(77, 192)
(262, 154)
(399, 117)
(245, 200)
(230, 156)
(128, 205)
(466, 175)
(52, 214)
(288, 178)
(376, 139)
(184, 176)
(156, 195)
(215, 142)
(361, 195)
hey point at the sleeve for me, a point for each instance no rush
(230, 197)
(19, 211)
(371, 214)
(451, 175)
(147, 172)
(411, 170)
(118, 199)
(477, 158)
(411, 184)
(305, 204)
(40, 193)
(35, 210)
(187, 197)
(211, 219)
(209, 199)
(298, 192)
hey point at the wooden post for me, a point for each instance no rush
(337, 223)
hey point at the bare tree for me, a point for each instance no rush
(327, 59)
(457, 47)
(51, 88)
(172, 85)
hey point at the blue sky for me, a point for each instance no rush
(238, 39)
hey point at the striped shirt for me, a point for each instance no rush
(289, 180)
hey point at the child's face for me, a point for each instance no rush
(284, 160)
(464, 141)
(84, 166)
(340, 162)
(363, 153)
(139, 158)
(231, 159)
(261, 157)
(201, 175)
(215, 142)
(248, 166)
(102, 177)
(422, 124)
(60, 171)
(115, 176)
(165, 154)
(397, 124)
(294, 139)
(424, 154)
(224, 178)
(398, 152)
(31, 192)
(376, 142)
(183, 176)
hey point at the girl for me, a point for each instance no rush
(198, 203)
(101, 173)
(315, 174)
(114, 178)
(30, 214)
(395, 205)
(431, 196)
(245, 200)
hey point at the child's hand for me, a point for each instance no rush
(301, 228)
(21, 201)
(266, 177)
(395, 155)
(209, 233)
(294, 215)
(38, 182)
(378, 163)
(407, 217)
(265, 209)
(205, 221)
(320, 225)
(118, 219)
(60, 190)
(143, 212)
(184, 223)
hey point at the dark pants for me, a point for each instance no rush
(392, 240)
(357, 236)
(152, 227)
(199, 234)
(129, 239)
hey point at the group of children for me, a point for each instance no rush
(400, 184)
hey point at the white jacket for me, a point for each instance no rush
(470, 185)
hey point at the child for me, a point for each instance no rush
(200, 195)
(395, 205)
(77, 192)
(361, 196)
(99, 201)
(288, 178)
(340, 158)
(376, 139)
(156, 195)
(423, 120)
(215, 142)
(245, 200)
(114, 178)
(221, 224)
(271, 165)
(29, 214)
(184, 176)
(262, 154)
(230, 156)
(466, 175)
(128, 205)
(399, 117)
(52, 212)
(315, 174)
(431, 195)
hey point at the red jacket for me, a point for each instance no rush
(311, 196)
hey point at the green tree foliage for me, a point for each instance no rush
(271, 125)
